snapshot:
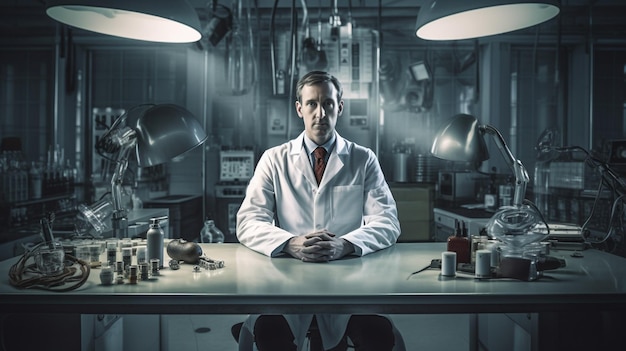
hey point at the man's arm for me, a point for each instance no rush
(255, 218)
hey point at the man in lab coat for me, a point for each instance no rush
(350, 212)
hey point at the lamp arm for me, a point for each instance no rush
(118, 177)
(126, 139)
(521, 175)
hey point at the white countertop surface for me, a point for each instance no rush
(380, 282)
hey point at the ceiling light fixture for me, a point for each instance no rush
(457, 20)
(164, 21)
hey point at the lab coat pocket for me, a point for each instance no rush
(347, 206)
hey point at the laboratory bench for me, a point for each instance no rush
(379, 282)
(382, 282)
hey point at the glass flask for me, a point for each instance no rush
(517, 227)
(210, 233)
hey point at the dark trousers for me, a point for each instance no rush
(366, 332)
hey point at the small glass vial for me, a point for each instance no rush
(119, 267)
(132, 275)
(154, 266)
(144, 271)
(478, 242)
(106, 275)
(141, 254)
(127, 257)
(94, 255)
(119, 272)
(82, 253)
(111, 252)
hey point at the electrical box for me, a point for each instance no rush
(350, 54)
(347, 53)
(236, 165)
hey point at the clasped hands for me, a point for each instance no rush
(319, 246)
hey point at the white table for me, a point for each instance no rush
(253, 283)
(575, 297)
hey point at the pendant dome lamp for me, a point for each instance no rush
(463, 19)
(164, 21)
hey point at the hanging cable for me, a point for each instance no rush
(273, 47)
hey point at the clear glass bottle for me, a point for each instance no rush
(210, 233)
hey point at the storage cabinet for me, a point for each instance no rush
(415, 210)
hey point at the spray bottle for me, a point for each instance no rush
(154, 238)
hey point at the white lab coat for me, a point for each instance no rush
(283, 199)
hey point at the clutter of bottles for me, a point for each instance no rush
(23, 180)
(29, 188)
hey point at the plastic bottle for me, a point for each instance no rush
(210, 233)
(106, 275)
(154, 238)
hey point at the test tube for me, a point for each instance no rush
(132, 275)
(127, 256)
(154, 266)
(144, 271)
(111, 252)
(141, 254)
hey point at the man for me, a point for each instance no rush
(347, 210)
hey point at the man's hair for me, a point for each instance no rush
(318, 77)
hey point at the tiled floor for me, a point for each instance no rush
(420, 332)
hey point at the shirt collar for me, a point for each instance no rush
(310, 145)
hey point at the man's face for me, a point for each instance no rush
(319, 110)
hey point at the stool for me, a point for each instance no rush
(315, 339)
(246, 341)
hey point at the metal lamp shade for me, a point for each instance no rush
(461, 140)
(165, 132)
(457, 20)
(165, 21)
